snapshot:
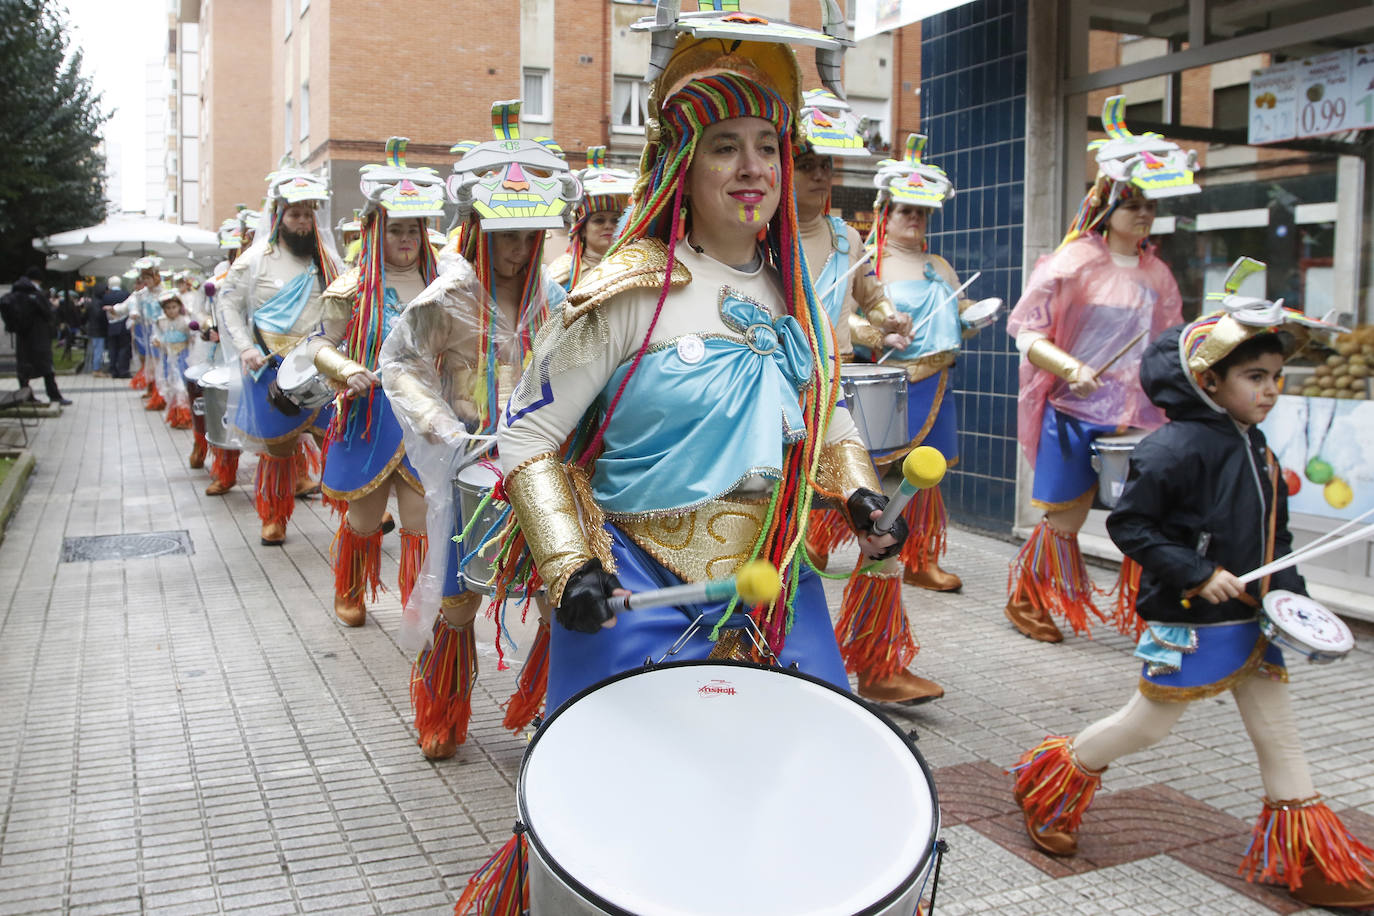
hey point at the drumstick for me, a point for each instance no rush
(1294, 559)
(952, 297)
(1329, 535)
(923, 468)
(756, 582)
(847, 274)
(1119, 353)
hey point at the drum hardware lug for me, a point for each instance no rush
(941, 847)
(536, 722)
(795, 666)
(913, 735)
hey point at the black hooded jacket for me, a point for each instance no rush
(1198, 496)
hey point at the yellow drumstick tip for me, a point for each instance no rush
(758, 582)
(924, 467)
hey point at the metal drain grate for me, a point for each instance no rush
(127, 546)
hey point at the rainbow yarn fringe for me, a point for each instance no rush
(1051, 785)
(874, 634)
(501, 887)
(275, 489)
(357, 563)
(928, 522)
(441, 683)
(1291, 835)
(1049, 572)
(533, 684)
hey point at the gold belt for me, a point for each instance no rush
(708, 542)
(923, 367)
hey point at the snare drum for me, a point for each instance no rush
(193, 373)
(876, 397)
(474, 482)
(981, 314)
(214, 385)
(1297, 622)
(745, 772)
(1112, 460)
(301, 382)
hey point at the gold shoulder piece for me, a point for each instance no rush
(639, 265)
(561, 268)
(345, 285)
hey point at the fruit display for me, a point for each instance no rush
(1344, 373)
(1338, 493)
(1293, 481)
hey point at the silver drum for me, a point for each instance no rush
(300, 381)
(214, 392)
(472, 485)
(1112, 461)
(876, 398)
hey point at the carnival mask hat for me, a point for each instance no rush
(169, 297)
(353, 224)
(828, 126)
(150, 262)
(230, 234)
(513, 183)
(604, 189)
(402, 191)
(1210, 339)
(909, 180)
(1155, 166)
(291, 184)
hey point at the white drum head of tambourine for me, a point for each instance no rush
(984, 310)
(1308, 621)
(297, 368)
(708, 789)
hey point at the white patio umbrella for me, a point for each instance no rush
(112, 246)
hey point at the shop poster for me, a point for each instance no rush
(1324, 447)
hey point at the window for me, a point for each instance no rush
(286, 133)
(629, 101)
(1149, 112)
(536, 104)
(1231, 107)
(305, 110)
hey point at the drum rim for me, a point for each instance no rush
(989, 317)
(871, 372)
(522, 812)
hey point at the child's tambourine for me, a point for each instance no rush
(1297, 622)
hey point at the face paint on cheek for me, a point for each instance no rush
(772, 176)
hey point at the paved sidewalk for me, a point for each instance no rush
(195, 734)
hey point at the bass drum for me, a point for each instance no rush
(714, 788)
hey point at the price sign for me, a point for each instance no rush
(1274, 103)
(1361, 113)
(1324, 94)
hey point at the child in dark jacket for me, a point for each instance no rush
(1204, 504)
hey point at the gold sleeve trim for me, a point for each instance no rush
(345, 286)
(542, 495)
(336, 365)
(640, 265)
(845, 466)
(1045, 355)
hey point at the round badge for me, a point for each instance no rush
(691, 349)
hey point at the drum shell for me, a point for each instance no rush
(1277, 633)
(553, 890)
(1111, 459)
(877, 400)
(469, 488)
(301, 382)
(216, 402)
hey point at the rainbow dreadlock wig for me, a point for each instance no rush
(1130, 166)
(909, 180)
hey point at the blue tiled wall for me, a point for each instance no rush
(973, 108)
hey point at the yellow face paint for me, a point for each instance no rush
(748, 213)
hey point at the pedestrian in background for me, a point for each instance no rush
(29, 317)
(117, 337)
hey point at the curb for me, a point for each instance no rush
(12, 490)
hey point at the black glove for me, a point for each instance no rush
(584, 607)
(861, 504)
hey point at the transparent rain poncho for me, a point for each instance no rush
(448, 366)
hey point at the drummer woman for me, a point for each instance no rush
(697, 376)
(365, 459)
(606, 194)
(1189, 515)
(875, 636)
(447, 368)
(1099, 291)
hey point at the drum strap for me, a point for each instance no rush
(1273, 466)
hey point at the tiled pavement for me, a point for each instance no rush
(195, 734)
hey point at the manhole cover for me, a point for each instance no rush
(126, 546)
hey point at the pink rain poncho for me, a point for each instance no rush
(1091, 307)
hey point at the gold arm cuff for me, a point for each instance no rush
(1045, 355)
(336, 365)
(880, 311)
(865, 334)
(542, 495)
(845, 466)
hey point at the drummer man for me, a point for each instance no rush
(269, 303)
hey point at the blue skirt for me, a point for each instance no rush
(367, 453)
(1063, 462)
(258, 420)
(930, 418)
(1224, 655)
(579, 660)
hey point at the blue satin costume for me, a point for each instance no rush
(1187, 663)
(175, 367)
(685, 433)
(1058, 483)
(366, 453)
(256, 418)
(942, 333)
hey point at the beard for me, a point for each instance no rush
(301, 244)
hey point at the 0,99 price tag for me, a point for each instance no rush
(1324, 91)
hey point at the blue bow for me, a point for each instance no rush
(781, 338)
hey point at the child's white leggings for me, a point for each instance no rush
(1264, 707)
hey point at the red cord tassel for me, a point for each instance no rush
(501, 887)
(140, 380)
(1052, 786)
(414, 545)
(1289, 836)
(357, 562)
(827, 531)
(1127, 589)
(1050, 573)
(874, 633)
(179, 416)
(441, 683)
(275, 495)
(928, 522)
(528, 698)
(224, 465)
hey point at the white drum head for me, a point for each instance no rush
(297, 369)
(193, 373)
(869, 372)
(697, 789)
(477, 478)
(1126, 441)
(218, 377)
(982, 312)
(1308, 622)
